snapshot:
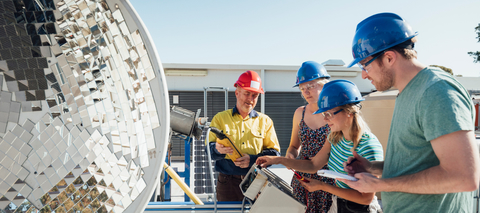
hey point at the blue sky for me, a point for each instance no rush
(288, 32)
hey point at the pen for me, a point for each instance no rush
(348, 164)
(299, 177)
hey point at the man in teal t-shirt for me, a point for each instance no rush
(432, 160)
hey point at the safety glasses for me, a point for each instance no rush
(364, 66)
(308, 86)
(328, 115)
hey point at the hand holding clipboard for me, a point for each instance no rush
(335, 175)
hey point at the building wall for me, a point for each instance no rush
(471, 83)
(187, 82)
(275, 78)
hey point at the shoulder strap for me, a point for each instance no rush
(303, 113)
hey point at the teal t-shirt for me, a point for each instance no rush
(369, 147)
(432, 104)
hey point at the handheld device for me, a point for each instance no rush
(225, 140)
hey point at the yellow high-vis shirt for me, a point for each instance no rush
(251, 135)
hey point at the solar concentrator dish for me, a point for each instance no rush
(83, 107)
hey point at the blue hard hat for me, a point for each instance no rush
(377, 33)
(310, 70)
(338, 93)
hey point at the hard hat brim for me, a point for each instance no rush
(260, 90)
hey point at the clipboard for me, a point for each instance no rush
(335, 175)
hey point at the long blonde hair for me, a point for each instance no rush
(358, 127)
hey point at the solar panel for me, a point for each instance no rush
(202, 185)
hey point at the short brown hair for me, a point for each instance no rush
(406, 49)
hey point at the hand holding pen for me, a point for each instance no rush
(299, 177)
(356, 164)
(351, 162)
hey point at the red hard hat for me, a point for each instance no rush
(250, 81)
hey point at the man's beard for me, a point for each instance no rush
(386, 80)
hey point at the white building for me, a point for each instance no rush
(186, 83)
(276, 78)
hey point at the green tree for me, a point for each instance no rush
(444, 68)
(476, 55)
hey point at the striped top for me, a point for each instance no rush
(369, 148)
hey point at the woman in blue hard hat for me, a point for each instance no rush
(339, 103)
(309, 133)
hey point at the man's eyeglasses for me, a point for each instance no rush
(364, 66)
(328, 115)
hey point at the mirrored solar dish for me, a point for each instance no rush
(83, 107)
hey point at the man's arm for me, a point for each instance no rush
(376, 168)
(458, 171)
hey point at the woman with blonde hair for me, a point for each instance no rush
(309, 133)
(339, 103)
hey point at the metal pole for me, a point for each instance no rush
(206, 89)
(226, 98)
(205, 102)
(262, 100)
(477, 197)
(477, 193)
(212, 179)
(186, 173)
(167, 196)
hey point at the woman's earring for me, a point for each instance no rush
(348, 115)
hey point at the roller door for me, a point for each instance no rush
(280, 106)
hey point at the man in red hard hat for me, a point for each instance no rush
(252, 133)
